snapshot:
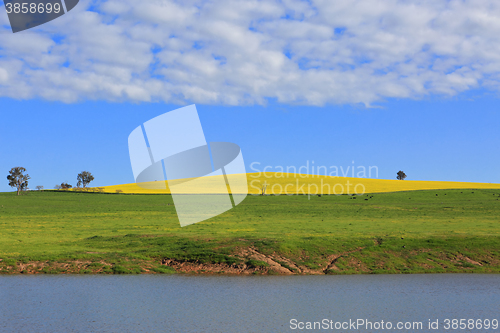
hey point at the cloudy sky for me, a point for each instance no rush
(244, 52)
(324, 59)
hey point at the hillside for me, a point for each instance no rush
(289, 183)
(428, 231)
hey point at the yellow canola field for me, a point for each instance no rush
(291, 184)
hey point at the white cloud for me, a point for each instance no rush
(243, 52)
(4, 76)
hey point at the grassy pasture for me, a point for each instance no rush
(452, 230)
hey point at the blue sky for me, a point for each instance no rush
(455, 140)
(391, 84)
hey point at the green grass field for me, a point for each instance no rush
(403, 232)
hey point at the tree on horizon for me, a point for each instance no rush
(65, 186)
(401, 175)
(18, 179)
(84, 178)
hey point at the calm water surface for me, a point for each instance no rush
(159, 303)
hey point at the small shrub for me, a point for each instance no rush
(256, 263)
(95, 265)
(49, 270)
(120, 270)
(312, 266)
(163, 270)
(9, 262)
(467, 265)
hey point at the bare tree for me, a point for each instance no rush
(57, 187)
(39, 188)
(18, 179)
(263, 189)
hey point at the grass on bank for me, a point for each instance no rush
(403, 232)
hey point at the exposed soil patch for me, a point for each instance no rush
(469, 260)
(334, 257)
(37, 267)
(251, 260)
(196, 267)
(272, 264)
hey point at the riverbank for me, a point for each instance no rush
(377, 256)
(406, 232)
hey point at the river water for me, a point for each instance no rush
(176, 303)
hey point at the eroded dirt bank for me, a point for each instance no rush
(250, 260)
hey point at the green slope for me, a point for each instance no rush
(418, 231)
